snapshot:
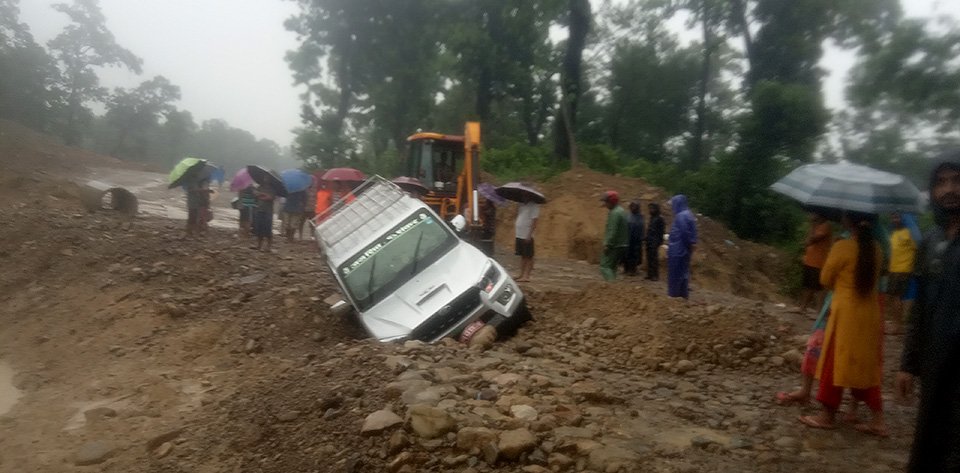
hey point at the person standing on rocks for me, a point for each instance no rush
(293, 209)
(932, 345)
(528, 212)
(263, 217)
(655, 230)
(616, 237)
(680, 246)
(852, 352)
(634, 256)
(903, 252)
(816, 246)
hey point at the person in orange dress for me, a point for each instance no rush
(852, 348)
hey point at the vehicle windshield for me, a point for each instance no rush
(395, 257)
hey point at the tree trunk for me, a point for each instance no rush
(740, 17)
(698, 148)
(570, 81)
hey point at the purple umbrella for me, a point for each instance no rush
(241, 180)
(489, 192)
(519, 192)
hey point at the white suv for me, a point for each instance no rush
(407, 273)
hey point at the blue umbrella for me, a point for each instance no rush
(296, 180)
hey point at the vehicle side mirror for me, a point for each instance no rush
(458, 223)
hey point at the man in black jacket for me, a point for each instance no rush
(932, 347)
(655, 230)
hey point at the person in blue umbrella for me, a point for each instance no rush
(680, 247)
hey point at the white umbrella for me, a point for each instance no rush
(852, 187)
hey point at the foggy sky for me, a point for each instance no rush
(227, 56)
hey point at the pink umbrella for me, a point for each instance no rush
(343, 174)
(241, 180)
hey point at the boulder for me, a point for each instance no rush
(430, 422)
(474, 438)
(379, 421)
(514, 443)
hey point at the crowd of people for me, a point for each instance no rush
(627, 237)
(871, 282)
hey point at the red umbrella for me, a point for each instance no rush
(411, 185)
(343, 174)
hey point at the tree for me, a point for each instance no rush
(28, 72)
(571, 80)
(135, 115)
(84, 45)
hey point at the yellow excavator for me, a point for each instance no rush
(449, 167)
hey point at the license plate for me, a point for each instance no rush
(470, 331)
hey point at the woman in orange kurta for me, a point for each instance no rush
(852, 342)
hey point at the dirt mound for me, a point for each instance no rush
(572, 223)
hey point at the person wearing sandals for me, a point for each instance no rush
(852, 350)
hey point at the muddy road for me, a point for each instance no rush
(125, 348)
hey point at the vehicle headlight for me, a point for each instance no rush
(489, 279)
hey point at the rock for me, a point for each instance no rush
(507, 379)
(588, 322)
(561, 433)
(534, 469)
(487, 394)
(701, 441)
(491, 453)
(251, 346)
(524, 412)
(739, 443)
(544, 423)
(603, 458)
(430, 422)
(288, 416)
(786, 443)
(397, 388)
(158, 440)
(684, 366)
(483, 339)
(404, 458)
(253, 278)
(454, 460)
(94, 453)
(163, 450)
(379, 421)
(758, 360)
(514, 443)
(473, 439)
(559, 461)
(98, 413)
(398, 441)
(776, 361)
(793, 357)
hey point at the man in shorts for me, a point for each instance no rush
(816, 247)
(527, 214)
(903, 253)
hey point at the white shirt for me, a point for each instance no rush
(526, 214)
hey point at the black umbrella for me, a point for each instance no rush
(519, 192)
(264, 176)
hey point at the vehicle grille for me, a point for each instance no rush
(448, 317)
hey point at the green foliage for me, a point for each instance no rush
(600, 158)
(520, 162)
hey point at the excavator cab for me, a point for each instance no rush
(448, 165)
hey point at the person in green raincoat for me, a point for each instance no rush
(616, 237)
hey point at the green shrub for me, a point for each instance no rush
(518, 162)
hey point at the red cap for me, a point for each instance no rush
(611, 196)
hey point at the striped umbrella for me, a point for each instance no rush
(846, 186)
